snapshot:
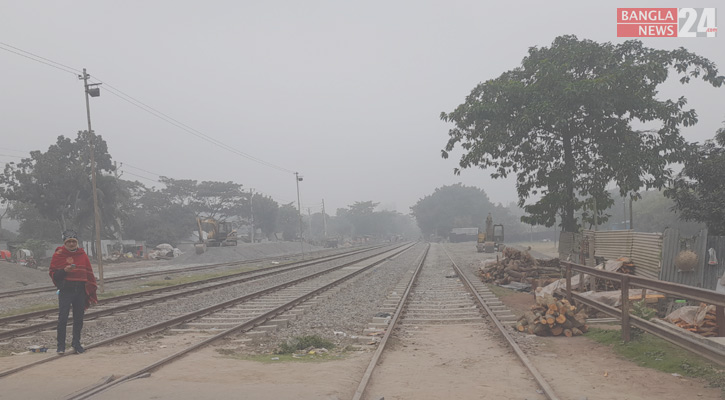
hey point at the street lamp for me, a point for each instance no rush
(298, 179)
(93, 90)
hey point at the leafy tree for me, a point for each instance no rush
(33, 225)
(57, 183)
(288, 221)
(561, 122)
(699, 189)
(208, 199)
(361, 216)
(153, 217)
(455, 206)
(266, 212)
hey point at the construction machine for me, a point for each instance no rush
(492, 240)
(213, 233)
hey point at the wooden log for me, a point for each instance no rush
(556, 331)
(541, 330)
(561, 319)
(550, 320)
(568, 333)
(576, 331)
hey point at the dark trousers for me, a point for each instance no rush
(73, 294)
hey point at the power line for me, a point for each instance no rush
(140, 169)
(140, 176)
(139, 104)
(42, 58)
(194, 132)
(37, 60)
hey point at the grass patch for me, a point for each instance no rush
(499, 291)
(303, 343)
(652, 352)
(30, 308)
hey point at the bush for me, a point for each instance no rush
(303, 343)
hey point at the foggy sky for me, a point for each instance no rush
(347, 93)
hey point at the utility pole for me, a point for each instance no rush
(251, 212)
(309, 216)
(95, 92)
(324, 220)
(298, 178)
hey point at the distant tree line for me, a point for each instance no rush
(50, 191)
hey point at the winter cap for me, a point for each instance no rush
(69, 234)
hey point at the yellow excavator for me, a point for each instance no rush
(213, 233)
(492, 240)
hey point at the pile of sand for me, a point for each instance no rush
(16, 276)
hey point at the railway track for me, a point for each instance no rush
(26, 323)
(440, 295)
(231, 317)
(184, 270)
(267, 303)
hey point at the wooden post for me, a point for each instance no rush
(626, 336)
(568, 282)
(720, 319)
(581, 282)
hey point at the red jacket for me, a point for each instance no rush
(83, 272)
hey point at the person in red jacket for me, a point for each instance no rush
(71, 272)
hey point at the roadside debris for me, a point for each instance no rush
(697, 319)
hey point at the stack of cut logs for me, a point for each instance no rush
(553, 318)
(520, 266)
(708, 327)
(605, 285)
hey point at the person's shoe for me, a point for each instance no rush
(60, 351)
(79, 349)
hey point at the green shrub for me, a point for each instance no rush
(304, 342)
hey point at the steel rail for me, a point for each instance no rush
(540, 380)
(391, 325)
(205, 311)
(247, 325)
(690, 292)
(128, 277)
(255, 274)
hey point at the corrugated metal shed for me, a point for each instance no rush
(647, 254)
(672, 244)
(644, 249)
(714, 271)
(613, 244)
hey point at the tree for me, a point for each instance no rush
(699, 189)
(266, 212)
(208, 199)
(288, 221)
(57, 183)
(457, 206)
(561, 122)
(154, 217)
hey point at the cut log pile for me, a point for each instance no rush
(553, 318)
(520, 266)
(707, 328)
(606, 285)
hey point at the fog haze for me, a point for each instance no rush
(347, 94)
